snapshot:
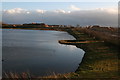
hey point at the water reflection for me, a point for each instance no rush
(39, 52)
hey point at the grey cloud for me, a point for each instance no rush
(82, 17)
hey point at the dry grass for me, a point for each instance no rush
(77, 42)
(107, 37)
(105, 65)
(24, 76)
(16, 75)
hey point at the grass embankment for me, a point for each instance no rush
(100, 59)
(76, 42)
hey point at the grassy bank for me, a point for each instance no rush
(99, 62)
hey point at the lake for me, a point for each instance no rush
(38, 52)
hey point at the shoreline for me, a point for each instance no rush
(102, 64)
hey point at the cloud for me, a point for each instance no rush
(62, 11)
(28, 12)
(15, 10)
(73, 7)
(100, 16)
(109, 10)
(40, 11)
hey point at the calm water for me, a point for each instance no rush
(38, 52)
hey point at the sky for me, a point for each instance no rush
(57, 5)
(64, 13)
(60, 0)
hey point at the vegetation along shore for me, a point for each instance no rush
(101, 46)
